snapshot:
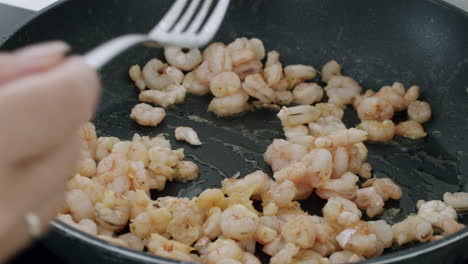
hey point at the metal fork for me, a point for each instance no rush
(173, 29)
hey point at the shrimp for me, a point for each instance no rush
(327, 109)
(299, 73)
(285, 255)
(163, 160)
(273, 71)
(410, 129)
(299, 135)
(340, 257)
(314, 169)
(325, 126)
(365, 171)
(344, 187)
(360, 239)
(368, 199)
(383, 231)
(375, 108)
(146, 115)
(307, 93)
(79, 204)
(93, 190)
(341, 90)
(158, 76)
(300, 230)
(113, 211)
(203, 74)
(298, 115)
(357, 156)
(264, 234)
(211, 198)
(306, 256)
(133, 151)
(419, 111)
(330, 70)
(270, 209)
(225, 84)
(248, 258)
(150, 221)
(284, 97)
(411, 229)
(341, 213)
(458, 200)
(158, 141)
(163, 247)
(238, 222)
(218, 57)
(394, 95)
(173, 94)
(385, 187)
(137, 77)
(435, 211)
(187, 134)
(180, 59)
(256, 87)
(303, 192)
(281, 194)
(274, 246)
(133, 242)
(230, 105)
(449, 226)
(222, 249)
(211, 227)
(112, 173)
(341, 138)
(378, 131)
(85, 225)
(104, 146)
(246, 69)
(254, 44)
(186, 223)
(87, 134)
(138, 202)
(186, 171)
(412, 94)
(193, 85)
(282, 153)
(340, 162)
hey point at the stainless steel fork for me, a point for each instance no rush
(174, 29)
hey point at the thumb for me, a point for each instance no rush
(31, 59)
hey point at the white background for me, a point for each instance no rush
(39, 4)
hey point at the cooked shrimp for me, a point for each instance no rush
(325, 126)
(186, 171)
(378, 131)
(298, 115)
(238, 222)
(412, 94)
(307, 93)
(225, 84)
(248, 258)
(285, 255)
(410, 129)
(164, 247)
(86, 165)
(340, 257)
(104, 146)
(383, 231)
(344, 187)
(375, 108)
(256, 87)
(85, 225)
(218, 57)
(449, 226)
(87, 133)
(113, 212)
(282, 153)
(138, 202)
(385, 187)
(299, 73)
(187, 134)
(284, 97)
(112, 173)
(341, 138)
(273, 71)
(435, 211)
(173, 94)
(365, 171)
(340, 213)
(306, 256)
(146, 115)
(211, 198)
(137, 77)
(360, 239)
(151, 221)
(394, 95)
(186, 223)
(274, 246)
(230, 105)
(314, 169)
(368, 199)
(299, 135)
(327, 109)
(222, 249)
(411, 229)
(93, 190)
(180, 59)
(264, 234)
(158, 76)
(281, 194)
(132, 241)
(300, 230)
(254, 44)
(211, 228)
(458, 200)
(246, 69)
(340, 162)
(203, 73)
(419, 111)
(79, 204)
(342, 89)
(330, 70)
(193, 85)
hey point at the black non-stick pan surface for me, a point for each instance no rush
(377, 42)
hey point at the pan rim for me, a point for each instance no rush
(405, 254)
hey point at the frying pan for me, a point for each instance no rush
(377, 42)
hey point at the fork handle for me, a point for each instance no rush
(99, 56)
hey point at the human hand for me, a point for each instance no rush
(44, 98)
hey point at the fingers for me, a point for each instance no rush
(42, 109)
(32, 59)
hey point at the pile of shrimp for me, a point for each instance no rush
(109, 195)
